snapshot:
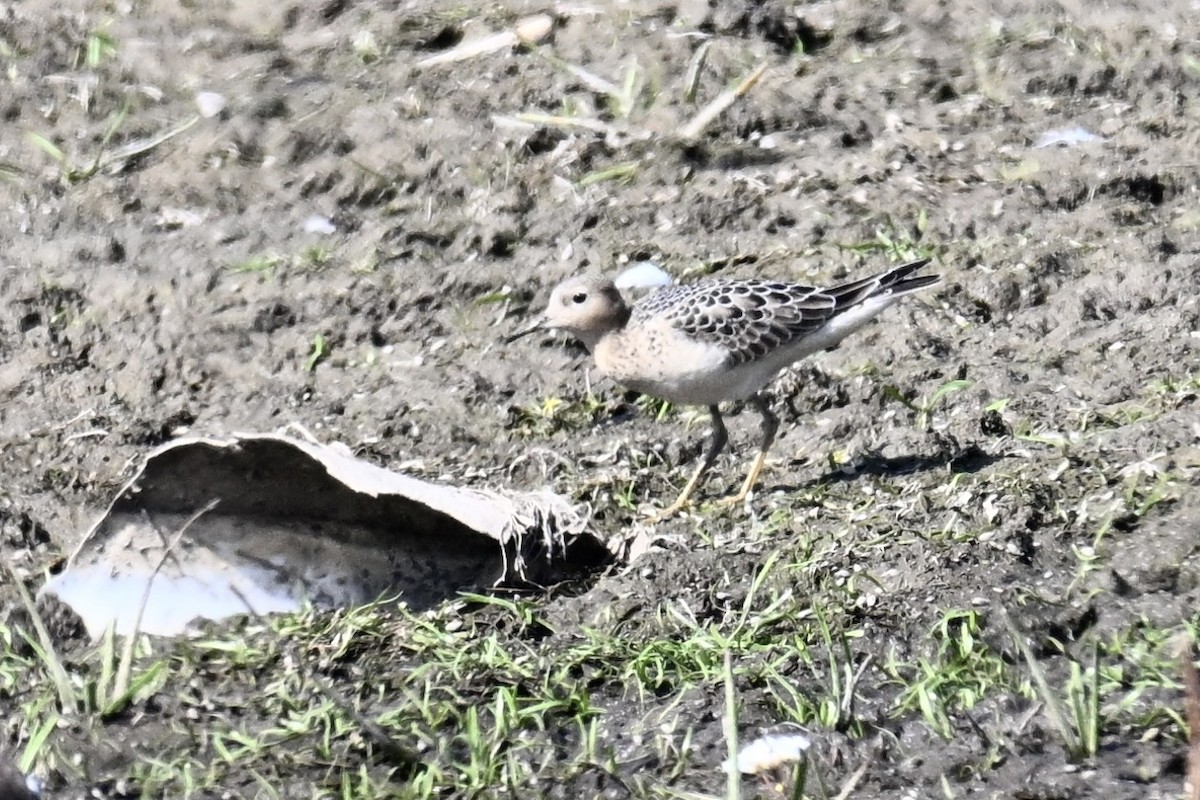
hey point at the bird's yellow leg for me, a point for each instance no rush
(719, 439)
(748, 484)
(684, 498)
(770, 425)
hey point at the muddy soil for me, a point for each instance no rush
(186, 284)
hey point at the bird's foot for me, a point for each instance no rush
(732, 500)
(657, 515)
(748, 484)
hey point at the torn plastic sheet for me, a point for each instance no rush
(296, 522)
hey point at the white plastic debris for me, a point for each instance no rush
(16, 786)
(1067, 137)
(769, 752)
(210, 104)
(318, 224)
(643, 275)
(297, 522)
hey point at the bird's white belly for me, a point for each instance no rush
(695, 373)
(688, 373)
(705, 388)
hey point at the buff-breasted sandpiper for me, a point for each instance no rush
(713, 341)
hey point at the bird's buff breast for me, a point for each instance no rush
(671, 367)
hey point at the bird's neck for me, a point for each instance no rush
(592, 339)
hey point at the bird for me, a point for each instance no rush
(717, 340)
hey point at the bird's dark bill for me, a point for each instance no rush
(534, 327)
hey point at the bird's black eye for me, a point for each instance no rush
(579, 298)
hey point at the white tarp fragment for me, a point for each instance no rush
(297, 522)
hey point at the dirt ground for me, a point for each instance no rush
(158, 279)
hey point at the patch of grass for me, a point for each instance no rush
(631, 93)
(829, 658)
(899, 243)
(99, 47)
(1126, 684)
(95, 697)
(658, 410)
(1143, 490)
(311, 258)
(486, 705)
(10, 172)
(32, 753)
(1156, 398)
(317, 353)
(43, 647)
(112, 690)
(490, 693)
(73, 171)
(501, 295)
(924, 409)
(960, 672)
(70, 171)
(553, 414)
(622, 173)
(1075, 709)
(628, 99)
(1139, 678)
